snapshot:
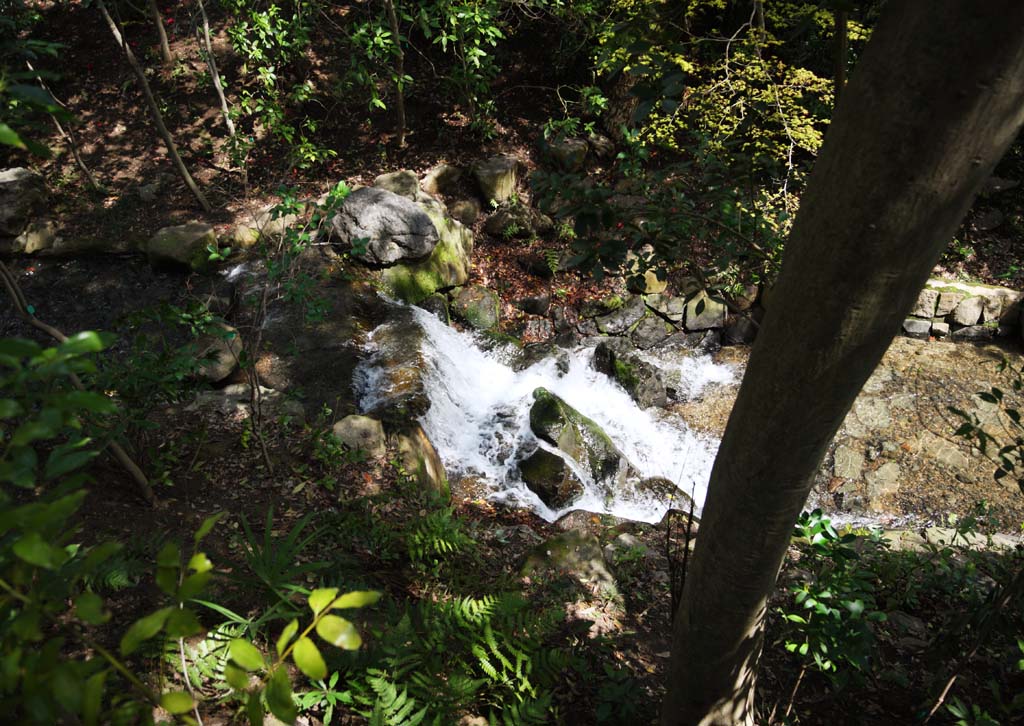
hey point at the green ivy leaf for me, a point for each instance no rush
(286, 636)
(245, 654)
(143, 629)
(176, 702)
(308, 659)
(279, 696)
(321, 598)
(10, 408)
(338, 632)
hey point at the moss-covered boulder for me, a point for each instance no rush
(447, 266)
(477, 306)
(549, 477)
(579, 437)
(420, 460)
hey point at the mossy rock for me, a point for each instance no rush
(578, 436)
(447, 266)
(477, 306)
(640, 379)
(548, 477)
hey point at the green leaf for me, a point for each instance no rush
(33, 549)
(357, 599)
(33, 431)
(254, 709)
(176, 702)
(143, 629)
(67, 687)
(339, 632)
(89, 608)
(279, 696)
(193, 585)
(89, 401)
(183, 623)
(286, 636)
(19, 348)
(207, 526)
(321, 598)
(308, 659)
(245, 654)
(68, 457)
(10, 408)
(200, 563)
(236, 677)
(92, 700)
(9, 138)
(84, 342)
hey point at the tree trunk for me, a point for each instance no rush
(158, 21)
(389, 8)
(901, 163)
(154, 110)
(842, 51)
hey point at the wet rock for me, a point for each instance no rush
(438, 305)
(538, 329)
(639, 378)
(441, 179)
(549, 477)
(184, 245)
(497, 177)
(218, 352)
(577, 436)
(917, 328)
(361, 433)
(447, 266)
(622, 319)
(703, 313)
(389, 228)
(396, 368)
(477, 306)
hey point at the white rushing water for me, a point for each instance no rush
(479, 419)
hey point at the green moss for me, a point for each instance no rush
(625, 374)
(447, 266)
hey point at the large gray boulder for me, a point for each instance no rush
(21, 192)
(394, 228)
(447, 266)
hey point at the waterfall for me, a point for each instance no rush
(478, 419)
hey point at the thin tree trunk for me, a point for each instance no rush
(389, 8)
(842, 51)
(158, 21)
(154, 110)
(214, 73)
(762, 34)
(901, 163)
(68, 134)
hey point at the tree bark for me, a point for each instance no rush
(154, 109)
(158, 21)
(901, 163)
(389, 8)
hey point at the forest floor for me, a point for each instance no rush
(206, 465)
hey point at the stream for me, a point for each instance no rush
(479, 412)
